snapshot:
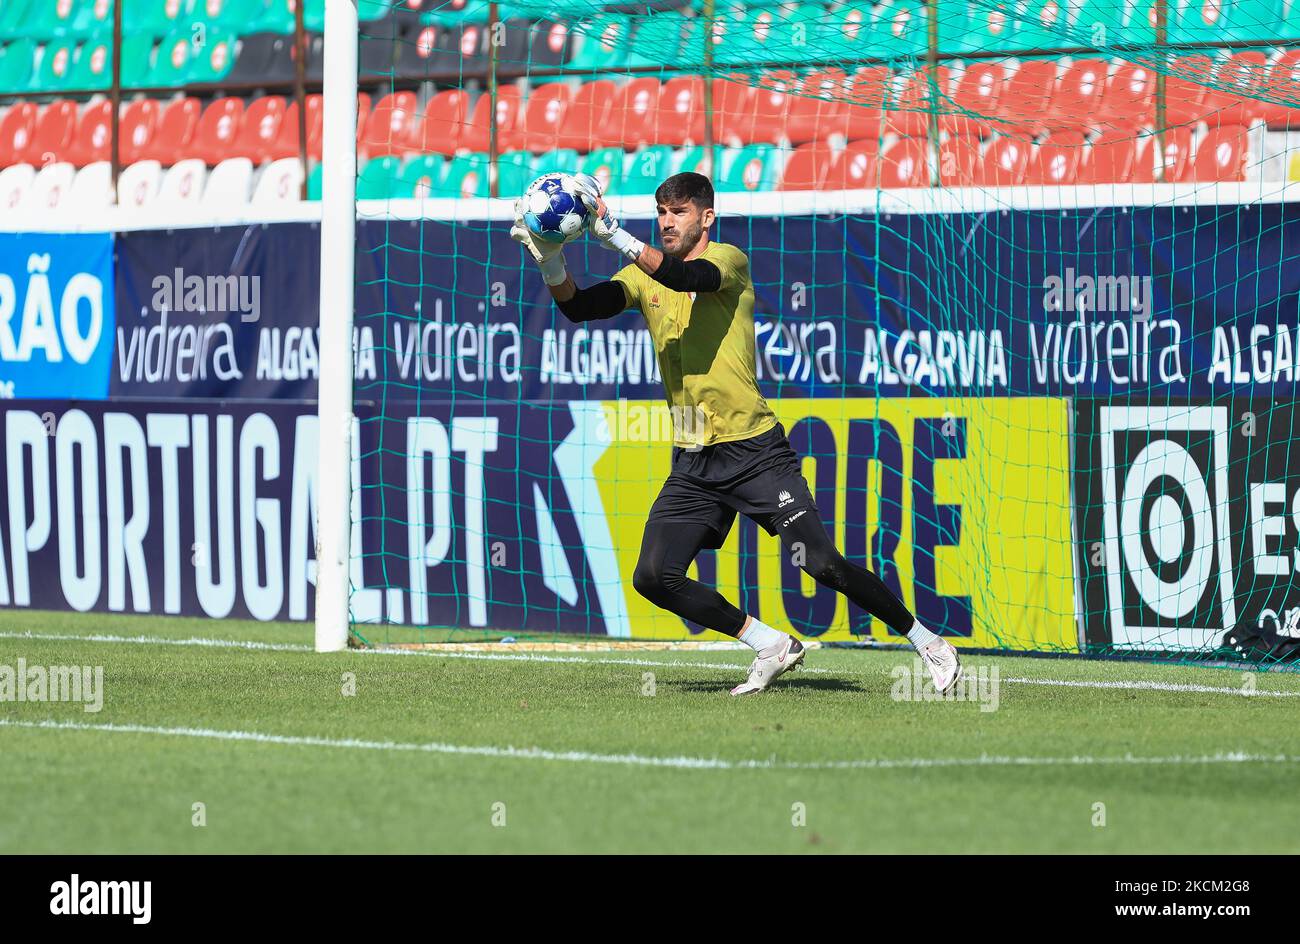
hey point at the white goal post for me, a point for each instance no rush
(337, 264)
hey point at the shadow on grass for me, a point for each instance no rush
(802, 683)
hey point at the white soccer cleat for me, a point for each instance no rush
(771, 663)
(940, 657)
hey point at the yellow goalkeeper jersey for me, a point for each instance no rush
(705, 346)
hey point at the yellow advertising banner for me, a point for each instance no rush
(961, 505)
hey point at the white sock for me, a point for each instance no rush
(759, 636)
(919, 636)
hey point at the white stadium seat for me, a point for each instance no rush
(93, 188)
(14, 183)
(183, 183)
(137, 185)
(49, 190)
(229, 184)
(280, 182)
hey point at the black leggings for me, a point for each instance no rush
(669, 547)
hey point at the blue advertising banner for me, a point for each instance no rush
(56, 314)
(1175, 301)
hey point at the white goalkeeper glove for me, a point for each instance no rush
(548, 256)
(603, 226)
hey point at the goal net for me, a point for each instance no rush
(1026, 302)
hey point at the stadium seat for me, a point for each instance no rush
(56, 67)
(466, 176)
(53, 134)
(734, 111)
(771, 107)
(421, 175)
(392, 127)
(90, 17)
(376, 179)
(586, 116)
(93, 68)
(1078, 95)
(172, 132)
(901, 28)
(988, 27)
(14, 181)
(16, 61)
(508, 107)
(139, 124)
(1282, 88)
(606, 165)
(544, 113)
(631, 114)
(1112, 158)
(214, 59)
(137, 185)
(279, 182)
(1005, 162)
(975, 96)
(1057, 160)
(49, 190)
(918, 95)
(93, 188)
(657, 40)
(549, 45)
(755, 167)
(856, 167)
(1187, 90)
(679, 111)
(645, 169)
(1022, 106)
(286, 141)
(154, 17)
(182, 183)
(959, 160)
(444, 122)
(695, 161)
(173, 59)
(229, 184)
(259, 129)
(1223, 155)
(806, 167)
(17, 128)
(12, 17)
(138, 57)
(904, 165)
(216, 130)
(869, 95)
(92, 140)
(264, 59)
(600, 44)
(561, 159)
(1177, 154)
(1129, 100)
(1235, 100)
(819, 111)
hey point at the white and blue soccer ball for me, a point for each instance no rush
(552, 209)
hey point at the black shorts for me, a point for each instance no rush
(759, 477)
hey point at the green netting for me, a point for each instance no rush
(1011, 262)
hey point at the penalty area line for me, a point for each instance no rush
(642, 760)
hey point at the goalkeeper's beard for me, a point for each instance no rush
(683, 242)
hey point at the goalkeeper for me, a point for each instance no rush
(729, 453)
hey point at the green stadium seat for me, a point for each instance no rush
(657, 41)
(16, 60)
(94, 66)
(13, 19)
(456, 12)
(379, 179)
(231, 14)
(753, 168)
(467, 176)
(514, 172)
(93, 17)
(1044, 24)
(606, 165)
(645, 170)
(602, 44)
(57, 66)
(155, 17)
(692, 160)
(214, 57)
(137, 60)
(313, 181)
(990, 27)
(172, 63)
(561, 159)
(421, 175)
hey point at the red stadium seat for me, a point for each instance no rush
(904, 165)
(173, 135)
(509, 106)
(734, 111)
(959, 160)
(53, 135)
(1177, 155)
(806, 168)
(543, 115)
(139, 127)
(1057, 160)
(259, 129)
(1022, 106)
(772, 101)
(392, 126)
(1005, 162)
(587, 115)
(1130, 97)
(1078, 95)
(857, 167)
(444, 122)
(1236, 100)
(820, 109)
(1187, 90)
(870, 92)
(976, 94)
(1222, 156)
(1113, 158)
(93, 139)
(631, 115)
(1282, 87)
(17, 129)
(918, 97)
(217, 129)
(679, 113)
(286, 141)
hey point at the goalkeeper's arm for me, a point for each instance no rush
(602, 300)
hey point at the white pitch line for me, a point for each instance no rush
(1119, 685)
(641, 760)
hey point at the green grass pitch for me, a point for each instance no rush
(568, 752)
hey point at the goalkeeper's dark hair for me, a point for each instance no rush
(686, 188)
